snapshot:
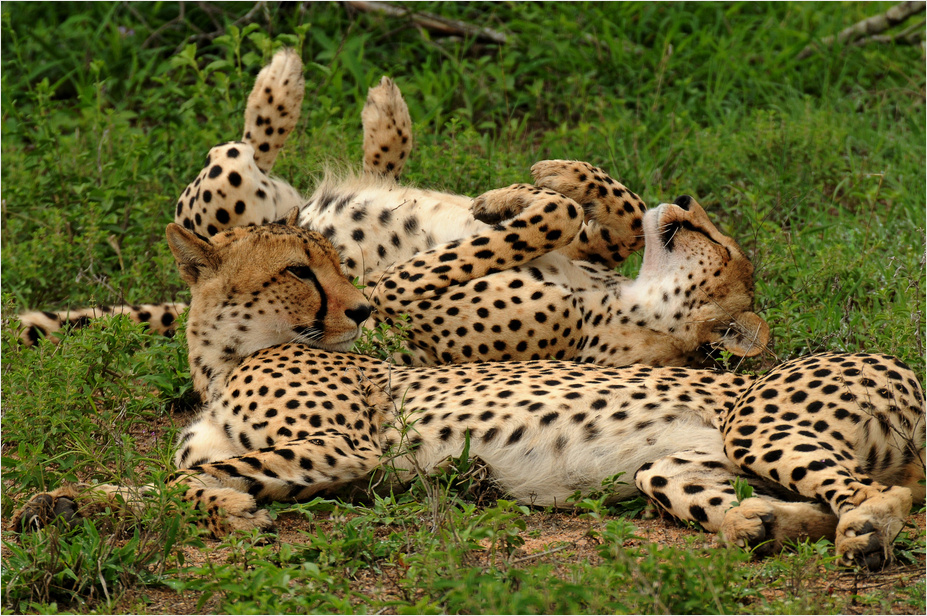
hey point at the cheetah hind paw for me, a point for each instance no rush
(71, 502)
(765, 526)
(865, 534)
(387, 130)
(246, 521)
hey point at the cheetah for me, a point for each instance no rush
(483, 279)
(833, 444)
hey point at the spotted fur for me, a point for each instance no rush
(524, 272)
(833, 444)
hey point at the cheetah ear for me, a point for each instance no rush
(746, 337)
(290, 218)
(195, 256)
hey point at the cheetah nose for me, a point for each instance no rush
(683, 202)
(359, 314)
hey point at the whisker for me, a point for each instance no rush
(667, 242)
(312, 332)
(658, 231)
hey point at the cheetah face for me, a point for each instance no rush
(262, 286)
(680, 236)
(701, 279)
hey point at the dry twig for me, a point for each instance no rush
(430, 21)
(869, 30)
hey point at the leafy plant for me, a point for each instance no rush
(384, 341)
(742, 490)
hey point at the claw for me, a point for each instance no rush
(45, 509)
(36, 513)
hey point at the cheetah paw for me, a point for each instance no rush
(280, 87)
(387, 129)
(385, 107)
(500, 204)
(274, 106)
(569, 177)
(229, 510)
(578, 180)
(43, 510)
(750, 526)
(865, 534)
(259, 519)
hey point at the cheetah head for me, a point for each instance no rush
(255, 287)
(699, 280)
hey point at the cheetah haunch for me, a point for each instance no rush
(289, 414)
(490, 278)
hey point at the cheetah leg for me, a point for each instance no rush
(71, 502)
(546, 222)
(273, 107)
(697, 486)
(230, 490)
(842, 441)
(233, 189)
(159, 317)
(614, 215)
(227, 509)
(387, 130)
(227, 490)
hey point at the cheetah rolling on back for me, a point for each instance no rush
(487, 278)
(838, 438)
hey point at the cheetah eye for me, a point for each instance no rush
(300, 271)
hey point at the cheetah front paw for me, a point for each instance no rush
(574, 178)
(584, 183)
(500, 204)
(865, 534)
(229, 510)
(750, 526)
(43, 510)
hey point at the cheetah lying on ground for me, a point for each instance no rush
(289, 413)
(537, 284)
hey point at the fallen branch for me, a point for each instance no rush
(432, 22)
(869, 28)
(541, 554)
(908, 36)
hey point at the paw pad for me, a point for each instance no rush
(43, 510)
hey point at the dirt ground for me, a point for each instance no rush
(559, 539)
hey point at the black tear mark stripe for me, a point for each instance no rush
(323, 298)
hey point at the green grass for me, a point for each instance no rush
(108, 109)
